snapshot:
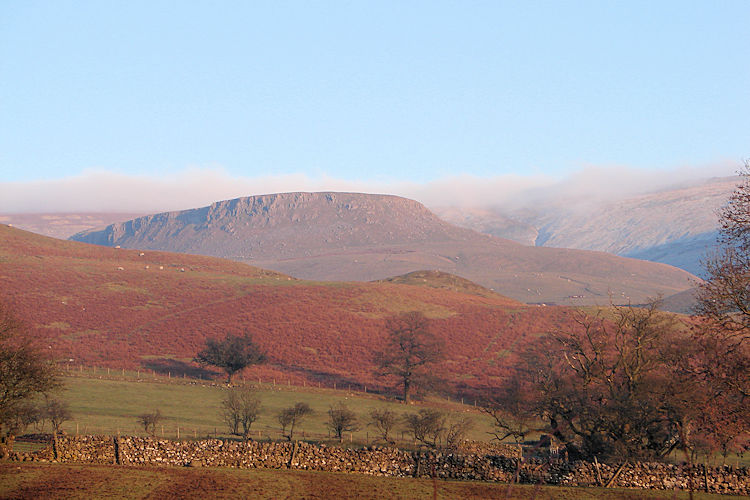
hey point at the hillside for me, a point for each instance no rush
(360, 237)
(133, 309)
(63, 225)
(676, 226)
(438, 279)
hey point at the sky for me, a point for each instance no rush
(114, 105)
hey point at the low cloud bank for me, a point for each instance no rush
(102, 191)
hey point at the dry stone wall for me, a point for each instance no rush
(385, 461)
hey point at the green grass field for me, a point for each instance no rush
(111, 404)
(107, 404)
(109, 401)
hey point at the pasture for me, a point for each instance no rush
(110, 404)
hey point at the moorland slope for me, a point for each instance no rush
(127, 308)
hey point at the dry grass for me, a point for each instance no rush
(53, 481)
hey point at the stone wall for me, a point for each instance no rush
(390, 462)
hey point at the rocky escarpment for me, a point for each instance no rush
(365, 237)
(282, 225)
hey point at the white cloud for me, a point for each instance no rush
(102, 191)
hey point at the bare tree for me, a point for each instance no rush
(24, 374)
(427, 426)
(724, 334)
(724, 296)
(613, 386)
(409, 351)
(240, 409)
(511, 409)
(341, 419)
(57, 412)
(232, 354)
(20, 417)
(292, 416)
(149, 421)
(384, 420)
(456, 431)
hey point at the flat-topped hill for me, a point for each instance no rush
(364, 237)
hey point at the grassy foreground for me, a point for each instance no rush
(33, 480)
(111, 405)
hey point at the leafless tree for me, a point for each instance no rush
(427, 426)
(612, 385)
(410, 349)
(341, 419)
(724, 296)
(457, 430)
(240, 409)
(384, 420)
(511, 409)
(149, 421)
(724, 333)
(24, 374)
(56, 411)
(292, 416)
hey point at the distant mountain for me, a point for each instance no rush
(676, 226)
(63, 225)
(362, 237)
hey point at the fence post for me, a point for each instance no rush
(118, 455)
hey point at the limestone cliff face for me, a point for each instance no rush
(282, 226)
(362, 237)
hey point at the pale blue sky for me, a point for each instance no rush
(376, 91)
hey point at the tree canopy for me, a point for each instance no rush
(24, 372)
(232, 354)
(341, 419)
(611, 386)
(724, 295)
(724, 334)
(292, 416)
(410, 349)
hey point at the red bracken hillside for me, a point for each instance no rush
(126, 308)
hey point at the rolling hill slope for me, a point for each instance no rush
(360, 237)
(126, 308)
